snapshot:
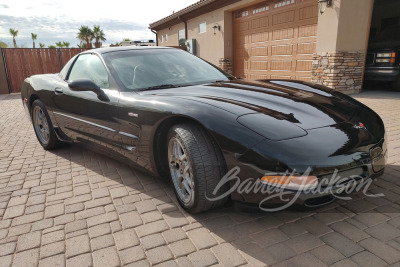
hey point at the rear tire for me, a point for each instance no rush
(196, 166)
(43, 127)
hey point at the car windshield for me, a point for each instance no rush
(389, 34)
(143, 69)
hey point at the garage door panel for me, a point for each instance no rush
(260, 23)
(258, 65)
(303, 65)
(259, 37)
(308, 12)
(261, 51)
(282, 34)
(278, 42)
(281, 65)
(306, 48)
(279, 50)
(308, 31)
(281, 18)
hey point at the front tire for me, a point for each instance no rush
(196, 166)
(43, 127)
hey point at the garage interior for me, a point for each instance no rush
(384, 37)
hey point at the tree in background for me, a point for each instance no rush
(41, 45)
(34, 37)
(52, 46)
(98, 35)
(86, 34)
(81, 45)
(59, 44)
(14, 34)
(126, 40)
(66, 44)
(3, 45)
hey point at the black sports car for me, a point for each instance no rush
(174, 115)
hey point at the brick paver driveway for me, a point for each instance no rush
(75, 207)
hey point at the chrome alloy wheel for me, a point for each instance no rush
(180, 171)
(41, 125)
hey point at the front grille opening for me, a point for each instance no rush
(319, 201)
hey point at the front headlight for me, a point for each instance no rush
(272, 128)
(383, 54)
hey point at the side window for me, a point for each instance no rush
(63, 73)
(90, 67)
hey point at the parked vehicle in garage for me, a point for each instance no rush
(172, 114)
(383, 58)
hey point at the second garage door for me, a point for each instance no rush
(275, 40)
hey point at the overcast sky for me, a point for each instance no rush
(55, 21)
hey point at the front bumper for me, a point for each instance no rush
(388, 74)
(278, 199)
(338, 151)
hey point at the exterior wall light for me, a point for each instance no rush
(216, 27)
(323, 4)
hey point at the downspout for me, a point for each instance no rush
(153, 31)
(184, 21)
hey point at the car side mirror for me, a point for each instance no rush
(81, 85)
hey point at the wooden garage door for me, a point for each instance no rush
(275, 40)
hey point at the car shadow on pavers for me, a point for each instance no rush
(229, 235)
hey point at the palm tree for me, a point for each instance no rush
(34, 37)
(86, 34)
(14, 34)
(98, 35)
(3, 45)
(41, 45)
(59, 44)
(81, 45)
(66, 44)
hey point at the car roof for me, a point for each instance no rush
(124, 48)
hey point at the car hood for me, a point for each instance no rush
(378, 46)
(304, 104)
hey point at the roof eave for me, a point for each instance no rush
(189, 12)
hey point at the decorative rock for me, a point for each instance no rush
(339, 70)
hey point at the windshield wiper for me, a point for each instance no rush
(161, 86)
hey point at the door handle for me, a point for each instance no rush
(58, 91)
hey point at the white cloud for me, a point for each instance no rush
(59, 21)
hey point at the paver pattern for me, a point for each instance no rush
(75, 207)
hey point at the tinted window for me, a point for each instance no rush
(139, 69)
(90, 67)
(389, 34)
